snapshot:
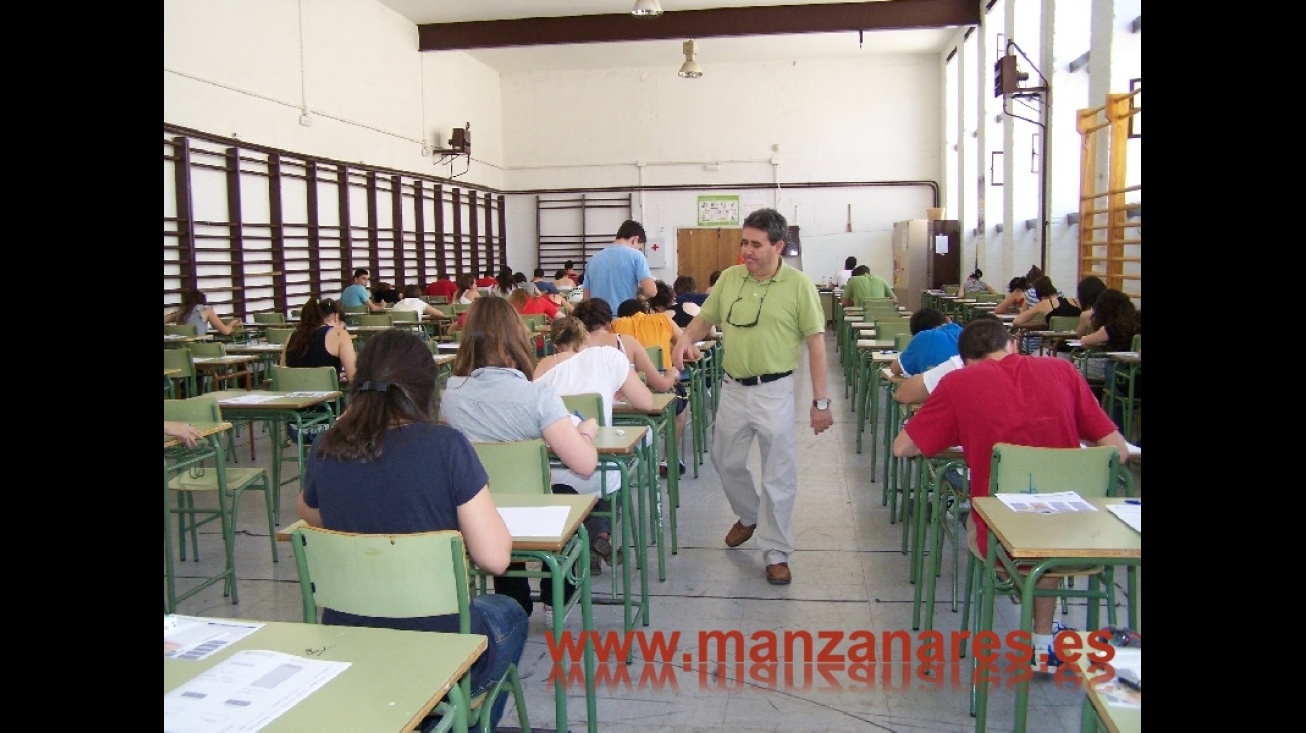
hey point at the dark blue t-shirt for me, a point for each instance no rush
(425, 473)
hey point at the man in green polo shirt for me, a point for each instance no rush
(865, 285)
(766, 311)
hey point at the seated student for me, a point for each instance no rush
(1088, 290)
(1001, 396)
(320, 340)
(487, 280)
(711, 281)
(412, 301)
(917, 388)
(1031, 277)
(974, 284)
(491, 398)
(358, 293)
(637, 318)
(544, 286)
(843, 276)
(519, 282)
(688, 300)
(1115, 322)
(570, 268)
(467, 290)
(444, 287)
(562, 281)
(1015, 300)
(1051, 304)
(576, 368)
(528, 303)
(934, 340)
(385, 294)
(193, 311)
(865, 285)
(386, 467)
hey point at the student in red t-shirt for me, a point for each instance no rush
(1001, 396)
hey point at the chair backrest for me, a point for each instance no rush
(193, 409)
(402, 316)
(516, 467)
(887, 329)
(304, 379)
(269, 318)
(901, 341)
(872, 302)
(459, 308)
(1137, 343)
(989, 297)
(278, 335)
(202, 349)
(179, 359)
(588, 404)
(655, 355)
(179, 329)
(535, 320)
(1063, 323)
(354, 308)
(436, 300)
(1019, 469)
(382, 575)
(375, 319)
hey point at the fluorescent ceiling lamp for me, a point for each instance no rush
(690, 69)
(646, 9)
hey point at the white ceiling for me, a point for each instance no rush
(660, 52)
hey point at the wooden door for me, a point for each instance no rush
(700, 252)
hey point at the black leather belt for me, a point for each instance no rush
(761, 379)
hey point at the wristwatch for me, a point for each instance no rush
(821, 404)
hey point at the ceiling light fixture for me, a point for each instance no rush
(690, 69)
(646, 9)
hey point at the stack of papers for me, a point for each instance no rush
(250, 399)
(1053, 503)
(245, 692)
(1130, 514)
(188, 637)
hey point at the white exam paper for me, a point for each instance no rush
(540, 521)
(1050, 503)
(244, 692)
(194, 638)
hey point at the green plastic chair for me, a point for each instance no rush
(181, 359)
(399, 576)
(179, 329)
(224, 482)
(1090, 472)
(1063, 323)
(516, 467)
(460, 308)
(308, 379)
(901, 341)
(589, 404)
(402, 316)
(278, 335)
(535, 320)
(375, 319)
(269, 318)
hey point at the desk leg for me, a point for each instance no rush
(673, 485)
(981, 675)
(582, 567)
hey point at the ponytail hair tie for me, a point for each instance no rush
(370, 386)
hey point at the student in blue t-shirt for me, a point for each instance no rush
(357, 294)
(933, 341)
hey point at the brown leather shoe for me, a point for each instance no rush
(739, 534)
(778, 574)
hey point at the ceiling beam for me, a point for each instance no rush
(716, 22)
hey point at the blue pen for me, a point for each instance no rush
(1139, 502)
(578, 415)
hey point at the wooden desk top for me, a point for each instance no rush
(283, 401)
(1054, 334)
(875, 343)
(206, 429)
(171, 372)
(216, 362)
(1128, 357)
(442, 359)
(619, 440)
(1116, 719)
(254, 348)
(177, 338)
(1070, 534)
(660, 402)
(393, 681)
(580, 506)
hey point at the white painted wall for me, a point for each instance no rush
(249, 68)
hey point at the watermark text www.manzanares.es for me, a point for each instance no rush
(831, 660)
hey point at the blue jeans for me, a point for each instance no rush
(505, 623)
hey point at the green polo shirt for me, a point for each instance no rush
(866, 286)
(790, 311)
